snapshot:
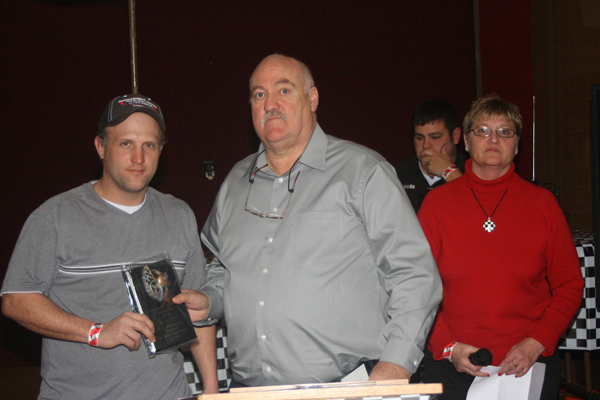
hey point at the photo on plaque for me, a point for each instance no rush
(151, 286)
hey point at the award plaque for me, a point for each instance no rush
(151, 286)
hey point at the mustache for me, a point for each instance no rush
(272, 113)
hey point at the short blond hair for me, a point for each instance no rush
(493, 106)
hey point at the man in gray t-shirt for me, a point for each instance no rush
(64, 278)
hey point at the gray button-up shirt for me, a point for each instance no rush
(346, 276)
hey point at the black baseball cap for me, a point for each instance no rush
(120, 108)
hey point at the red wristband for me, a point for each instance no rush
(448, 171)
(94, 334)
(448, 351)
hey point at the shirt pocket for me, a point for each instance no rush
(317, 239)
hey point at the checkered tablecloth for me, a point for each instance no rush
(584, 334)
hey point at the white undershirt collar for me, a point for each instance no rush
(429, 180)
(127, 209)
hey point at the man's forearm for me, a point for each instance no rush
(384, 371)
(205, 355)
(38, 313)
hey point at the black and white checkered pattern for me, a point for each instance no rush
(489, 225)
(584, 334)
(223, 370)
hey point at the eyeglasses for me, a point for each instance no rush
(255, 211)
(484, 131)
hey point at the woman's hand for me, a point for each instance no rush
(521, 357)
(460, 359)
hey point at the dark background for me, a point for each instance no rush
(373, 62)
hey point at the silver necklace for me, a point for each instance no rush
(489, 225)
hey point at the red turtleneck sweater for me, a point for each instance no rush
(521, 280)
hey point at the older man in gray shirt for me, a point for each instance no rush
(321, 263)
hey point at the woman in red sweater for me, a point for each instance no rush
(511, 275)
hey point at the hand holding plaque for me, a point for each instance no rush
(151, 286)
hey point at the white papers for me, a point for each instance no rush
(358, 375)
(507, 387)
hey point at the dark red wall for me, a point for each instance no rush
(507, 65)
(62, 61)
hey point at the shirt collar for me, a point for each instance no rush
(430, 181)
(314, 154)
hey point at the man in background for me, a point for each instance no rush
(437, 160)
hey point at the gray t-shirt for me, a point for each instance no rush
(71, 249)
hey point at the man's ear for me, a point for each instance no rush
(314, 99)
(456, 135)
(99, 147)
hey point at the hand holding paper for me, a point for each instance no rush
(521, 357)
(508, 387)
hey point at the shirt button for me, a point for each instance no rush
(263, 337)
(268, 369)
(275, 209)
(270, 240)
(279, 180)
(261, 303)
(415, 363)
(265, 270)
